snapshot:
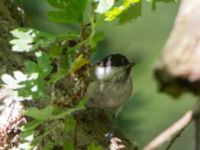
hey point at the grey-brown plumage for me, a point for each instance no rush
(113, 83)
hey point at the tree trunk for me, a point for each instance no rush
(178, 67)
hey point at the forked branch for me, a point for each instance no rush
(172, 133)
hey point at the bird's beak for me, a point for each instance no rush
(131, 65)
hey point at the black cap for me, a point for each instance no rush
(114, 60)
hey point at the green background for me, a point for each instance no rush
(148, 112)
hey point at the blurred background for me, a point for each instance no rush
(148, 112)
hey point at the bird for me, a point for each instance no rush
(112, 85)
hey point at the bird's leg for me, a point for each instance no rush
(114, 127)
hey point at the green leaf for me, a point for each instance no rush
(97, 38)
(153, 2)
(30, 126)
(23, 40)
(34, 85)
(116, 11)
(26, 39)
(64, 114)
(36, 141)
(70, 124)
(44, 62)
(49, 145)
(61, 73)
(40, 114)
(79, 62)
(55, 51)
(58, 3)
(31, 67)
(82, 104)
(94, 147)
(104, 5)
(40, 92)
(69, 11)
(131, 13)
(68, 146)
(63, 17)
(68, 111)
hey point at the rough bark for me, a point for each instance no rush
(11, 17)
(178, 67)
(92, 126)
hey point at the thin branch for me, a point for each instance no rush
(172, 132)
(175, 137)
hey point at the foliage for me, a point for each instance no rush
(94, 147)
(26, 40)
(68, 11)
(53, 57)
(153, 2)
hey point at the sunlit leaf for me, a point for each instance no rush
(116, 11)
(25, 146)
(13, 82)
(79, 62)
(26, 40)
(104, 5)
(130, 14)
(23, 40)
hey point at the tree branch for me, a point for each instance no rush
(172, 132)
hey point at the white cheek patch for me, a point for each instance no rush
(100, 72)
(103, 72)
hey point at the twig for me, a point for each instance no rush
(175, 137)
(172, 131)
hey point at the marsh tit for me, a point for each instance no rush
(112, 85)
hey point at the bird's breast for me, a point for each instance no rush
(109, 95)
